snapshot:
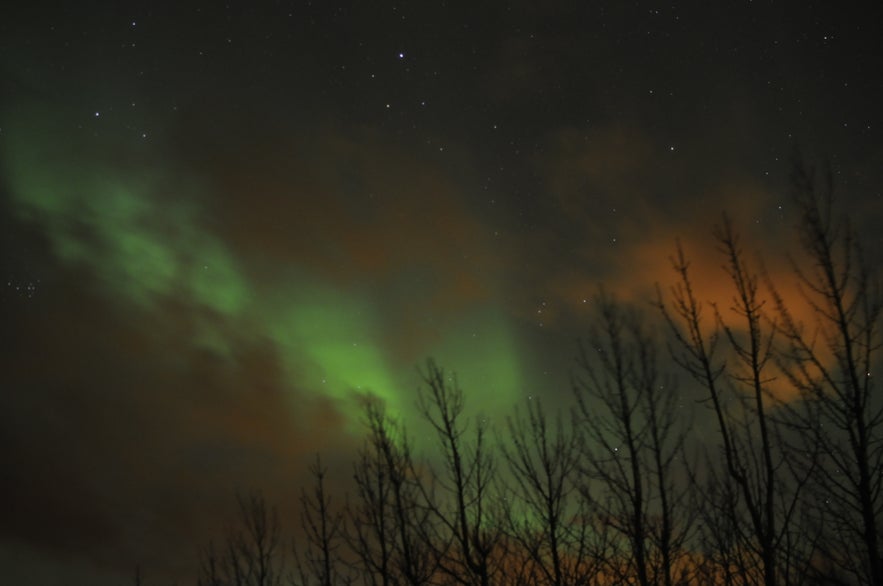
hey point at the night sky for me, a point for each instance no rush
(221, 222)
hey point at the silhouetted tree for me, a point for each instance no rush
(323, 531)
(465, 480)
(832, 362)
(371, 521)
(547, 510)
(250, 555)
(629, 414)
(737, 382)
(391, 524)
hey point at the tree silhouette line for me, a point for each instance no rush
(620, 488)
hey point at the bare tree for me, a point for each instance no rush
(250, 556)
(832, 363)
(210, 567)
(629, 415)
(323, 530)
(391, 523)
(753, 452)
(548, 512)
(465, 480)
(370, 520)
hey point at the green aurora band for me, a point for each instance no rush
(143, 237)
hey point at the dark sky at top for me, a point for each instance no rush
(219, 222)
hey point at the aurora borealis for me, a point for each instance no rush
(223, 222)
(147, 240)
